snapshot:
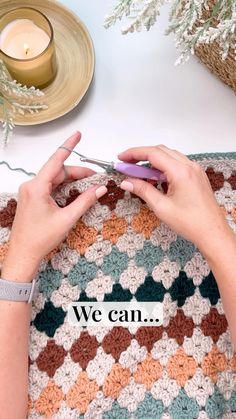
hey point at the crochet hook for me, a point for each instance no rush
(128, 169)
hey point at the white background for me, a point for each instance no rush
(138, 97)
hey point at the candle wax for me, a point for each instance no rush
(23, 39)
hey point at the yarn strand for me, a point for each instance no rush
(17, 169)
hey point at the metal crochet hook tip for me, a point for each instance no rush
(108, 166)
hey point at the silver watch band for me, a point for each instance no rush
(18, 291)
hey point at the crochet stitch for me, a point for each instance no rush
(119, 251)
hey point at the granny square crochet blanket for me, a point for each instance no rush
(119, 251)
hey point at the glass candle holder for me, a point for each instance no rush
(27, 46)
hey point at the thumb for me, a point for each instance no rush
(153, 197)
(84, 201)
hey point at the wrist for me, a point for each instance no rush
(18, 273)
(218, 245)
(19, 268)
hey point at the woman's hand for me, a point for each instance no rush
(40, 224)
(189, 207)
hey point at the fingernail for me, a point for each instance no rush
(127, 186)
(75, 134)
(100, 191)
(120, 154)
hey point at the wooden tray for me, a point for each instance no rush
(75, 60)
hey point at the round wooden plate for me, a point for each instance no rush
(75, 60)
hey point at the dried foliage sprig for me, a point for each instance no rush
(193, 22)
(15, 98)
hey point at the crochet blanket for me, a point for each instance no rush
(120, 251)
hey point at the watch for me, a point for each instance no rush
(18, 291)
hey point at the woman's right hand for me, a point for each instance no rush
(189, 207)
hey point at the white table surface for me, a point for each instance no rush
(138, 97)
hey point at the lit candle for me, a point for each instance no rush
(27, 47)
(23, 39)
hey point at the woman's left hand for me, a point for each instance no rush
(40, 224)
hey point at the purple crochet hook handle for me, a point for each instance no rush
(134, 170)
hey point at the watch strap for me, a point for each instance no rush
(18, 291)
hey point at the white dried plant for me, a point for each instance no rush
(15, 98)
(193, 22)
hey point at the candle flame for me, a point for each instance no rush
(26, 48)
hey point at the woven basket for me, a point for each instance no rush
(210, 55)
